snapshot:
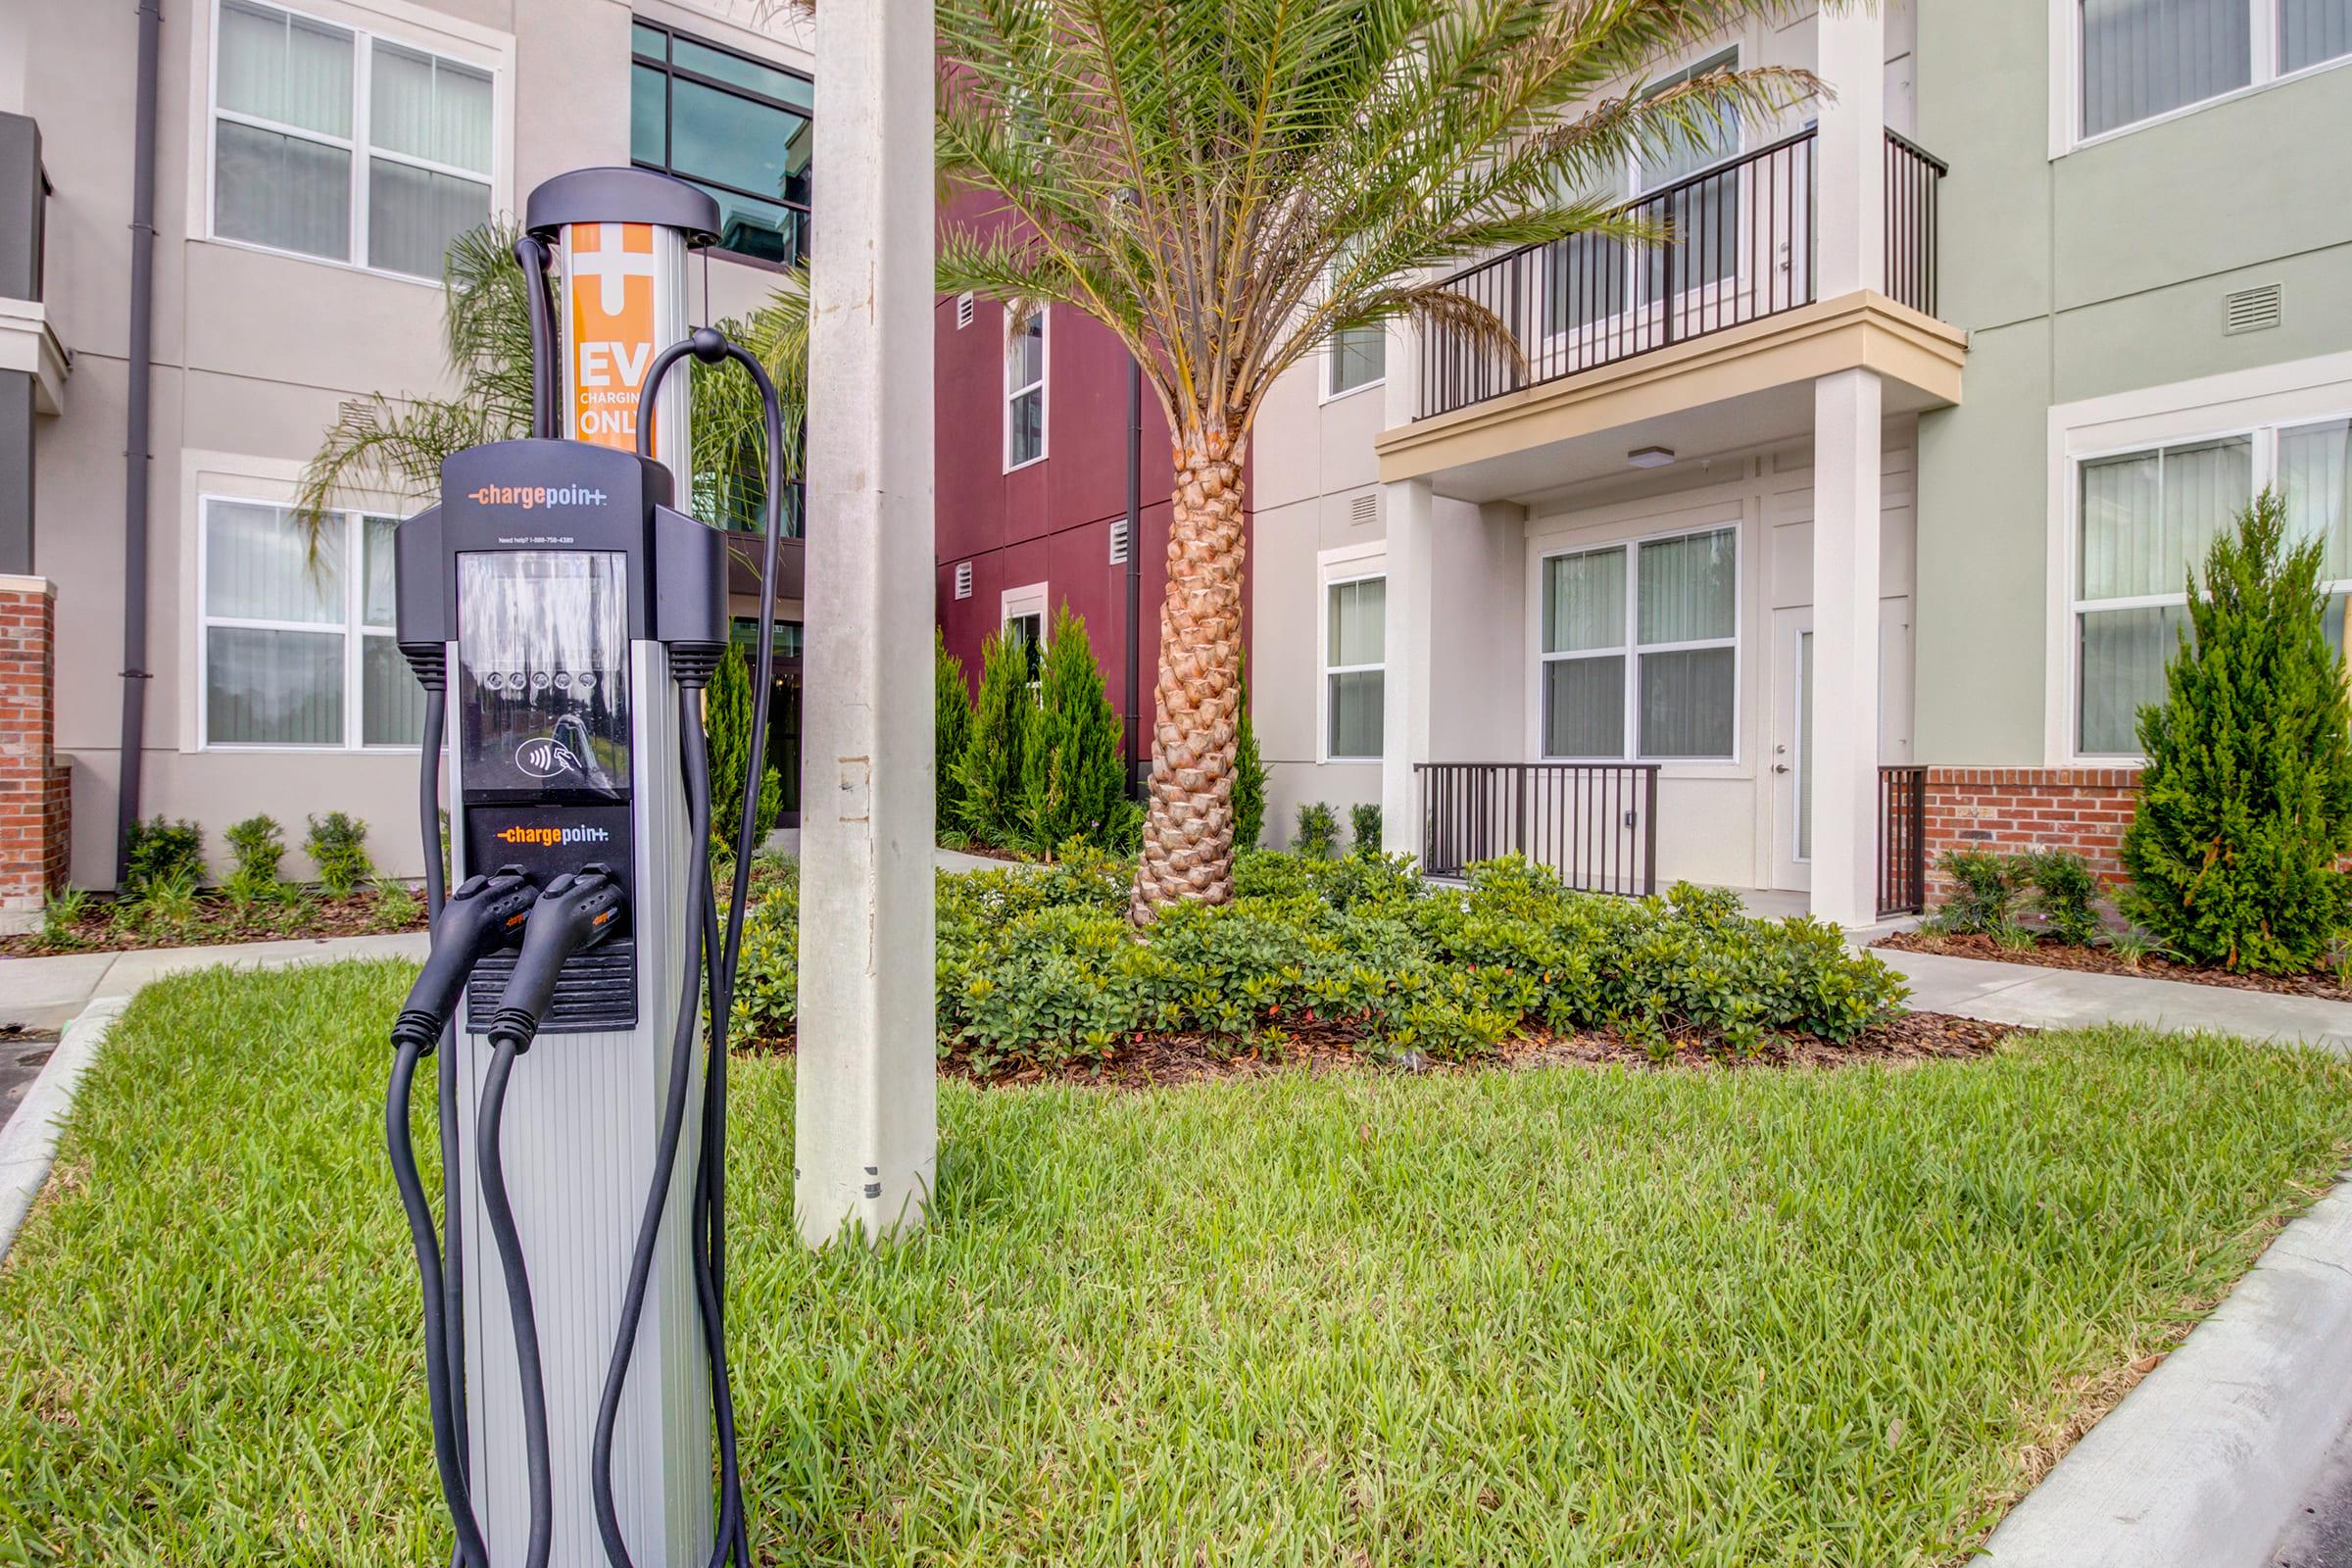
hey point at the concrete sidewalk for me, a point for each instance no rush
(49, 992)
(2067, 999)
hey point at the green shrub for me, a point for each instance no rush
(1248, 776)
(1074, 778)
(2245, 800)
(2065, 895)
(727, 737)
(1318, 836)
(259, 844)
(337, 846)
(989, 774)
(1363, 824)
(61, 920)
(952, 731)
(767, 985)
(167, 903)
(1985, 887)
(397, 906)
(160, 850)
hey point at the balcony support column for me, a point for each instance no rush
(1846, 432)
(1409, 507)
(1851, 208)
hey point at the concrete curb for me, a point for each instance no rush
(28, 1142)
(2205, 1463)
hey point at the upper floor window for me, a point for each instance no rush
(1641, 650)
(2148, 518)
(298, 649)
(334, 143)
(1355, 634)
(735, 126)
(2141, 58)
(1025, 392)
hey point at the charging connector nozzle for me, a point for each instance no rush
(575, 911)
(484, 914)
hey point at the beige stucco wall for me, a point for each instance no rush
(253, 353)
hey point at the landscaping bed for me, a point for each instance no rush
(1600, 1316)
(211, 919)
(2049, 955)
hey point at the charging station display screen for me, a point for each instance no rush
(542, 651)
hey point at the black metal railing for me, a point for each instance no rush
(1741, 247)
(1902, 840)
(1593, 824)
(1914, 179)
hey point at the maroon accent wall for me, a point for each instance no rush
(1050, 522)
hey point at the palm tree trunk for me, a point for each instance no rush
(1188, 823)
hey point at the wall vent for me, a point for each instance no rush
(1364, 508)
(963, 579)
(2253, 310)
(1118, 541)
(964, 311)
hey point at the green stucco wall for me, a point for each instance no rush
(2101, 271)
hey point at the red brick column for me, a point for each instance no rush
(35, 798)
(2013, 809)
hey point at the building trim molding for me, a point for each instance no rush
(28, 344)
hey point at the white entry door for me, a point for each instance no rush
(1791, 783)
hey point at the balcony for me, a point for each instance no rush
(1744, 247)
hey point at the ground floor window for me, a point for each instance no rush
(296, 644)
(1639, 649)
(1355, 639)
(2147, 517)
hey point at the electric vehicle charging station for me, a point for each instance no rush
(563, 613)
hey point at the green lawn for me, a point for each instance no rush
(1562, 1317)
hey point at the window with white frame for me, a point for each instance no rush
(1022, 613)
(2146, 518)
(1355, 638)
(331, 142)
(1639, 649)
(1025, 392)
(2139, 59)
(298, 649)
(1356, 355)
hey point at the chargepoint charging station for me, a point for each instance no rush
(564, 611)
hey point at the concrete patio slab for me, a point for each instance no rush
(2065, 998)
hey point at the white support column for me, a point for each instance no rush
(1407, 506)
(1850, 210)
(1846, 412)
(866, 1137)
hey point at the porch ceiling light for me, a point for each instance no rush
(1650, 457)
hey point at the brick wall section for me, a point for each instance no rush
(2011, 809)
(34, 783)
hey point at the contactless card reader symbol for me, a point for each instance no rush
(544, 757)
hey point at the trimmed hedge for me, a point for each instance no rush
(1041, 966)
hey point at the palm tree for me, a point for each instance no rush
(1228, 183)
(395, 444)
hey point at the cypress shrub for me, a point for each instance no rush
(1073, 781)
(988, 777)
(2245, 800)
(952, 731)
(727, 732)
(1248, 776)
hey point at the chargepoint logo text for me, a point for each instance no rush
(552, 836)
(529, 496)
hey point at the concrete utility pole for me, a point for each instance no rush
(866, 1135)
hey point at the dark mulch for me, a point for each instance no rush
(2102, 961)
(218, 923)
(1157, 1061)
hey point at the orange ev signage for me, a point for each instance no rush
(610, 282)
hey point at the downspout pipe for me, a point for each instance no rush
(1134, 578)
(135, 457)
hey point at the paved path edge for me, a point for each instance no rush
(2205, 1463)
(28, 1142)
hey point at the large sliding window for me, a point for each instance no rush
(735, 126)
(332, 143)
(2145, 58)
(2148, 518)
(1640, 653)
(297, 646)
(1355, 640)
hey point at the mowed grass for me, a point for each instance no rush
(1553, 1316)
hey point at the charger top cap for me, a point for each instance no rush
(621, 196)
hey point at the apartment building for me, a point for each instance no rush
(312, 160)
(1852, 526)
